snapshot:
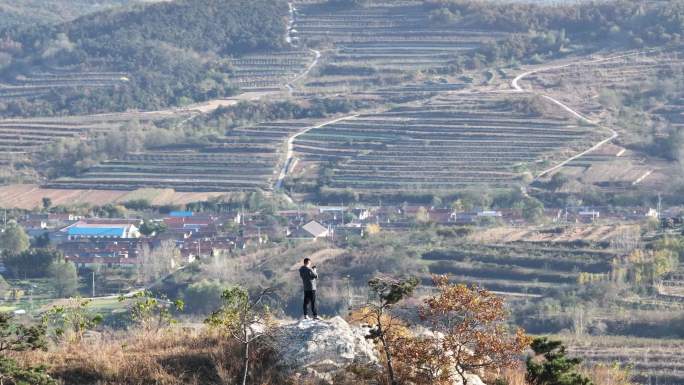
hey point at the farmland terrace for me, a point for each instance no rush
(383, 43)
(450, 142)
(255, 72)
(653, 361)
(584, 85)
(245, 159)
(25, 136)
(41, 84)
(614, 169)
(521, 267)
(267, 71)
(597, 88)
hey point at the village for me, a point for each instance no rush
(118, 242)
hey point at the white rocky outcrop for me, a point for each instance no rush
(321, 348)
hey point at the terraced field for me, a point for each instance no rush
(584, 85)
(519, 268)
(672, 286)
(453, 141)
(24, 136)
(594, 86)
(28, 196)
(246, 159)
(613, 169)
(574, 233)
(269, 71)
(42, 84)
(381, 43)
(658, 361)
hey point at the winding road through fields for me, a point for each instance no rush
(291, 85)
(291, 40)
(289, 155)
(516, 87)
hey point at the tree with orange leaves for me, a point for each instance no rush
(470, 333)
(421, 360)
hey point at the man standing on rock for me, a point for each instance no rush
(309, 277)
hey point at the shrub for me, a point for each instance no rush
(203, 297)
(32, 263)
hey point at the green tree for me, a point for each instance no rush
(673, 243)
(246, 319)
(14, 239)
(444, 16)
(151, 228)
(63, 277)
(32, 263)
(386, 292)
(557, 181)
(41, 241)
(15, 337)
(551, 366)
(203, 297)
(72, 319)
(151, 312)
(533, 209)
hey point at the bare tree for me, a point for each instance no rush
(627, 238)
(158, 262)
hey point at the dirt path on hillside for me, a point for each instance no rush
(613, 134)
(289, 155)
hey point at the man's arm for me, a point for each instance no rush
(313, 274)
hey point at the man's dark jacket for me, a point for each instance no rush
(308, 278)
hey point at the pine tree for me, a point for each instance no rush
(551, 366)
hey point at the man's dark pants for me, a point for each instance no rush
(310, 298)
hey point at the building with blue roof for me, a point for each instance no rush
(84, 230)
(181, 214)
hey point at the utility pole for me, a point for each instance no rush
(347, 281)
(331, 235)
(660, 205)
(31, 298)
(93, 283)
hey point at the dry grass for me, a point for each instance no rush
(191, 355)
(200, 356)
(170, 357)
(29, 196)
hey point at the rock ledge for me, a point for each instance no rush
(323, 347)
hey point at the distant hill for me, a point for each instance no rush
(145, 56)
(13, 12)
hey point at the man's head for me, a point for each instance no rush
(307, 261)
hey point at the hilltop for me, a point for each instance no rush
(144, 57)
(15, 13)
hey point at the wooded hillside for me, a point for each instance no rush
(14, 13)
(156, 55)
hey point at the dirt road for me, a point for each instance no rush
(613, 134)
(290, 147)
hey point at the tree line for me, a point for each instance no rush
(540, 30)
